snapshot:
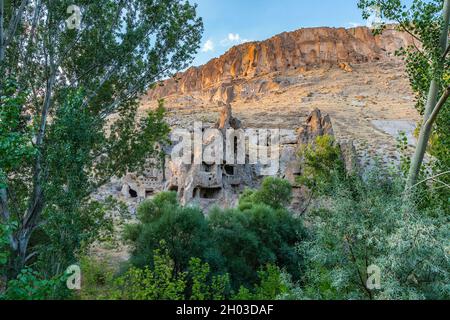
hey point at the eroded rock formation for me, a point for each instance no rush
(236, 74)
(208, 184)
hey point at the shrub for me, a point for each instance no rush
(30, 285)
(367, 222)
(256, 237)
(237, 242)
(184, 230)
(275, 193)
(160, 282)
(321, 163)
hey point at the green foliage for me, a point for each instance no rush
(366, 223)
(160, 282)
(425, 61)
(272, 286)
(5, 233)
(184, 230)
(321, 163)
(88, 82)
(237, 242)
(276, 193)
(30, 285)
(96, 279)
(204, 288)
(16, 147)
(256, 237)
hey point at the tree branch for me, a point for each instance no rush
(355, 261)
(15, 22)
(446, 52)
(442, 183)
(36, 199)
(438, 107)
(37, 11)
(430, 178)
(4, 210)
(2, 33)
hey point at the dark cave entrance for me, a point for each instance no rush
(133, 193)
(207, 193)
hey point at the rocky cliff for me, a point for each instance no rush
(235, 74)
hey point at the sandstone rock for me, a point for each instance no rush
(226, 119)
(221, 184)
(316, 125)
(346, 67)
(297, 50)
(349, 156)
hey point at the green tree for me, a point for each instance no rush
(257, 234)
(88, 82)
(184, 230)
(321, 163)
(159, 282)
(276, 193)
(235, 242)
(272, 286)
(428, 63)
(365, 223)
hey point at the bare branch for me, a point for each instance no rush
(441, 182)
(430, 178)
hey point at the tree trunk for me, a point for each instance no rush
(2, 33)
(427, 127)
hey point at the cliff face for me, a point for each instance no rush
(297, 50)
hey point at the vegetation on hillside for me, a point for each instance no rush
(383, 234)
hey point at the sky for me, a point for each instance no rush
(231, 22)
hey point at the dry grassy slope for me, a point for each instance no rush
(373, 91)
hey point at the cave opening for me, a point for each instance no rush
(229, 170)
(133, 193)
(207, 193)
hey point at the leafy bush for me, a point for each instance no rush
(256, 237)
(160, 282)
(272, 286)
(321, 163)
(30, 285)
(184, 230)
(275, 193)
(237, 242)
(367, 222)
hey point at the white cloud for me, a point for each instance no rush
(231, 39)
(355, 24)
(208, 46)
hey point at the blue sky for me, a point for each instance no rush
(230, 22)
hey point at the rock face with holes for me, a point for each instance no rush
(208, 184)
(282, 83)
